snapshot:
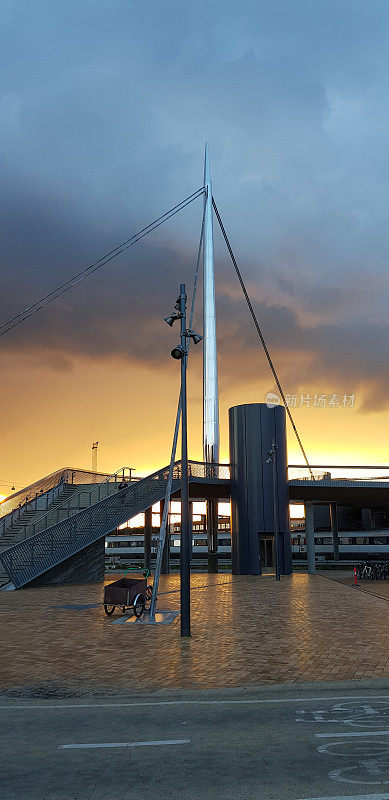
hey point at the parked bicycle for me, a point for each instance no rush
(373, 571)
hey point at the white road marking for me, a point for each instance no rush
(162, 743)
(189, 702)
(352, 734)
(351, 797)
(364, 771)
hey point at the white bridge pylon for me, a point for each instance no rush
(210, 376)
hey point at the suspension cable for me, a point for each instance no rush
(260, 334)
(32, 309)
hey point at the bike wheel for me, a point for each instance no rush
(139, 605)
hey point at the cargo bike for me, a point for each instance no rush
(127, 593)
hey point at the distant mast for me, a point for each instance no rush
(210, 380)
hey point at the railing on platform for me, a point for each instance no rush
(44, 498)
(31, 492)
(361, 474)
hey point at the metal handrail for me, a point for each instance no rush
(8, 519)
(23, 498)
(320, 473)
(340, 482)
(19, 498)
(112, 478)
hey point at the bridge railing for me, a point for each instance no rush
(33, 501)
(202, 470)
(30, 493)
(69, 506)
(40, 495)
(355, 473)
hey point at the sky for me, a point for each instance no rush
(105, 107)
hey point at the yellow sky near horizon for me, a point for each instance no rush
(51, 417)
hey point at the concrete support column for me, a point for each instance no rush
(212, 534)
(310, 537)
(165, 567)
(378, 519)
(367, 519)
(147, 537)
(191, 527)
(334, 529)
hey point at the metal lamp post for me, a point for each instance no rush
(184, 539)
(273, 460)
(181, 353)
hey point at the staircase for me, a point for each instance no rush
(81, 526)
(20, 526)
(70, 500)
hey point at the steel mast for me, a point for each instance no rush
(210, 379)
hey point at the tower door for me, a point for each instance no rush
(267, 552)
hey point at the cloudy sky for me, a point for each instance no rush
(105, 106)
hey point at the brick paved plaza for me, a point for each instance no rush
(247, 631)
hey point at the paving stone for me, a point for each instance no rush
(246, 631)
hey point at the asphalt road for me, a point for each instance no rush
(266, 745)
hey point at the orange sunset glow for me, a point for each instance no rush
(130, 409)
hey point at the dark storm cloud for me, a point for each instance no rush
(104, 110)
(117, 312)
(345, 358)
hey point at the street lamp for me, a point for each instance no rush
(172, 318)
(273, 460)
(180, 353)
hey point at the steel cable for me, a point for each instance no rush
(32, 309)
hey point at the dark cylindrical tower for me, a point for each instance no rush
(253, 430)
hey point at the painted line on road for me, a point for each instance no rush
(194, 702)
(351, 797)
(352, 733)
(158, 743)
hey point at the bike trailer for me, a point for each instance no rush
(125, 592)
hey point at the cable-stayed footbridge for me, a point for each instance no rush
(59, 531)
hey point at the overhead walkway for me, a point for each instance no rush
(87, 515)
(348, 492)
